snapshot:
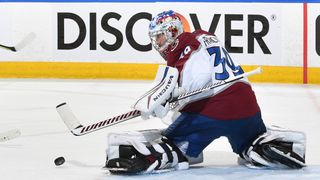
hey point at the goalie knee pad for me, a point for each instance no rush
(143, 152)
(277, 148)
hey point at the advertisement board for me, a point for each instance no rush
(255, 34)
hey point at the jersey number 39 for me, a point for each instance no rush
(225, 61)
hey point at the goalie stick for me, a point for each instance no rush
(11, 134)
(78, 129)
(26, 40)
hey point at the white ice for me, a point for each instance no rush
(29, 105)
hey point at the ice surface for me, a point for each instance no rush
(29, 105)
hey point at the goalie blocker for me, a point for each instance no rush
(156, 101)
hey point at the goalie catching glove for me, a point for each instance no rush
(143, 152)
(155, 102)
(277, 148)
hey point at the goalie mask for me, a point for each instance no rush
(164, 28)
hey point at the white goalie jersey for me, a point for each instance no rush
(209, 64)
(202, 60)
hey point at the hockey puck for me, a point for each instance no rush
(59, 161)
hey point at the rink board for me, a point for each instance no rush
(71, 70)
(109, 40)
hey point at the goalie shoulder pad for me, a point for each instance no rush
(160, 90)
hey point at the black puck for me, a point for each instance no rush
(59, 161)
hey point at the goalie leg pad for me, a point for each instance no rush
(132, 153)
(281, 152)
(277, 148)
(130, 161)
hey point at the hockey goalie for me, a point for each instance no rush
(195, 60)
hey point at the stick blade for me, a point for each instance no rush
(11, 48)
(68, 117)
(8, 135)
(30, 37)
